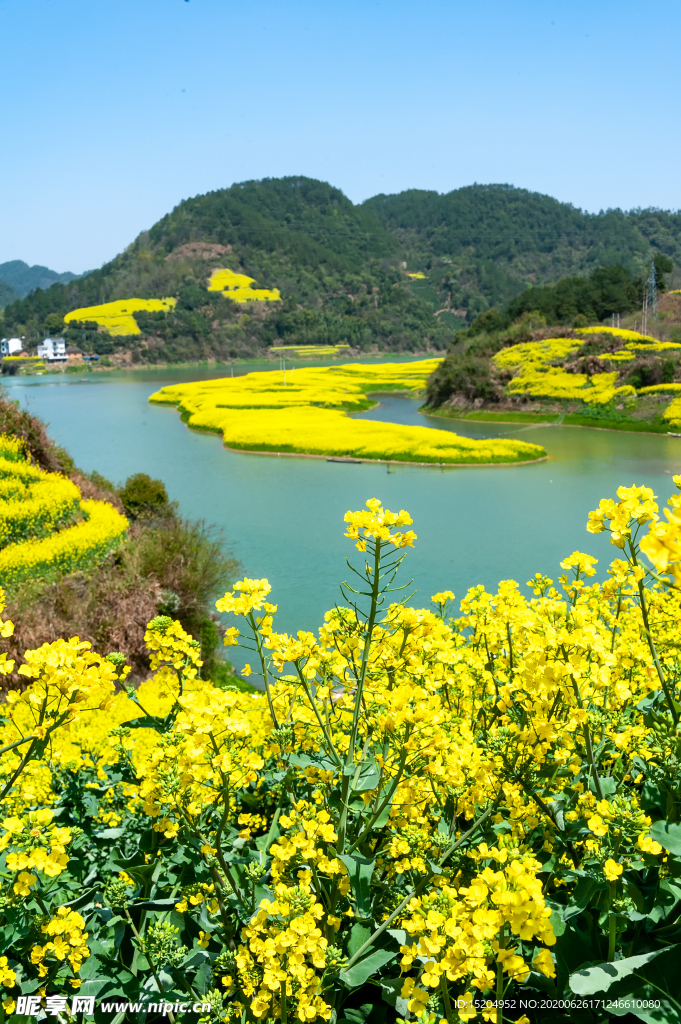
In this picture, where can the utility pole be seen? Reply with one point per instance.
(650, 299)
(652, 292)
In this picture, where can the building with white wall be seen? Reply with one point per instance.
(9, 346)
(53, 350)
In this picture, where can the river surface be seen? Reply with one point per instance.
(283, 517)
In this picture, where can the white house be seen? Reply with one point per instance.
(54, 350)
(8, 346)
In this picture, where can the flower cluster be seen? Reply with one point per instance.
(376, 523)
(67, 940)
(636, 504)
(497, 920)
(285, 958)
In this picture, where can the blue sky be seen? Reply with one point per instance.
(113, 111)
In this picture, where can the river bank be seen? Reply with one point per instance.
(566, 419)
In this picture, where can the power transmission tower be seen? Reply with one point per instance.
(652, 292)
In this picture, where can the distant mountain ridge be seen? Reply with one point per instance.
(343, 270)
(23, 279)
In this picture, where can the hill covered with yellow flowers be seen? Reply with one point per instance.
(600, 376)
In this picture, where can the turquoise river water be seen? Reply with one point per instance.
(283, 517)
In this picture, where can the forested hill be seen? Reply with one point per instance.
(21, 279)
(480, 245)
(399, 272)
(336, 267)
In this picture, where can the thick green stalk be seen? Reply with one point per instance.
(265, 673)
(284, 1001)
(612, 924)
(313, 704)
(17, 743)
(500, 976)
(419, 887)
(126, 912)
(375, 591)
(445, 999)
(651, 642)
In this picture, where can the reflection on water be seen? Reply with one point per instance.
(283, 517)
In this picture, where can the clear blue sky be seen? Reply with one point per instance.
(113, 111)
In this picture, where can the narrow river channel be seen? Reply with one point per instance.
(283, 517)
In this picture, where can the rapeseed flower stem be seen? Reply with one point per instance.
(649, 637)
(144, 948)
(418, 888)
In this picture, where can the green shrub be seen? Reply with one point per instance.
(144, 496)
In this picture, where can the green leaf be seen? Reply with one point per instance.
(600, 977)
(165, 904)
(359, 973)
(390, 989)
(383, 817)
(668, 835)
(193, 958)
(583, 896)
(360, 870)
(304, 760)
(359, 933)
(148, 722)
(368, 777)
(109, 833)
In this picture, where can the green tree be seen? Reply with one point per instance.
(54, 323)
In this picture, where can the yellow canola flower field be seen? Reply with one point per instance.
(660, 389)
(309, 350)
(672, 414)
(237, 287)
(45, 528)
(452, 783)
(117, 317)
(305, 411)
(617, 332)
(536, 378)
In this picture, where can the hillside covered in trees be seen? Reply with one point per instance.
(396, 273)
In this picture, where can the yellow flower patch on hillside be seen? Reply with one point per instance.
(535, 353)
(672, 414)
(117, 317)
(617, 332)
(536, 378)
(237, 287)
(45, 527)
(305, 411)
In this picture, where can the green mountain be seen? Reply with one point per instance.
(23, 279)
(401, 272)
(7, 294)
(481, 245)
(337, 269)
